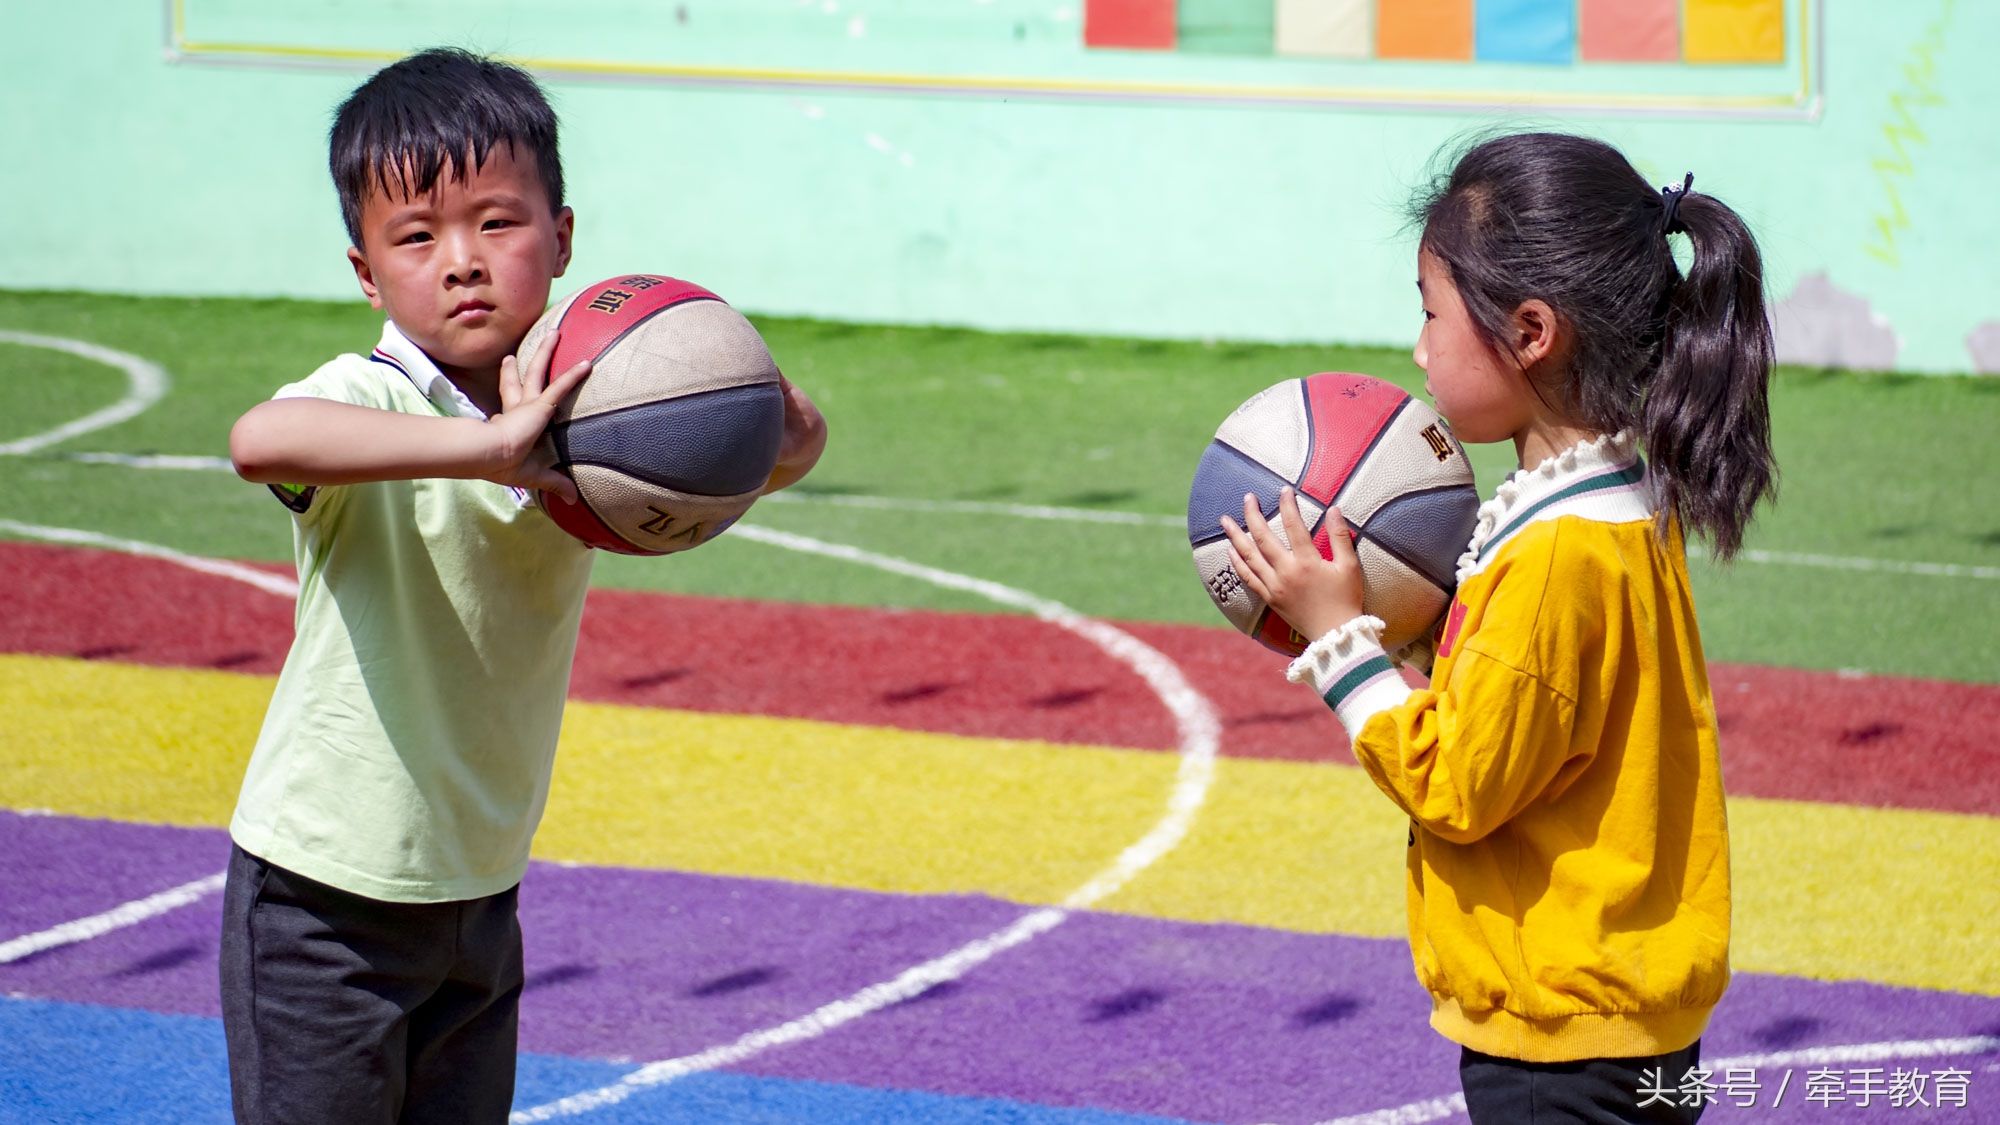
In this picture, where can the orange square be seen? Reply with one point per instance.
(1423, 29)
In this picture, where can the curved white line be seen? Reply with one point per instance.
(1109, 516)
(264, 580)
(146, 384)
(1200, 734)
(1438, 1109)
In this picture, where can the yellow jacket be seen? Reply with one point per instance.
(1569, 851)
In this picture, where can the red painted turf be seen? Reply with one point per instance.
(1872, 740)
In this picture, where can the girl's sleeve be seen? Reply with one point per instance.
(1460, 758)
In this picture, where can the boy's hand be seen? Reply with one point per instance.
(1314, 594)
(528, 399)
(804, 440)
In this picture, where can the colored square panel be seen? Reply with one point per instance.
(1341, 29)
(1141, 24)
(1631, 31)
(1527, 31)
(1227, 27)
(1423, 29)
(1734, 31)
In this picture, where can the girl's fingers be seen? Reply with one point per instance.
(1338, 538)
(1247, 555)
(1295, 526)
(1253, 519)
(1248, 574)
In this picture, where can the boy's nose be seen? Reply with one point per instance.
(462, 263)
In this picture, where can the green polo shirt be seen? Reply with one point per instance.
(407, 750)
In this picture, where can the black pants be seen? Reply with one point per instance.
(1608, 1091)
(341, 1008)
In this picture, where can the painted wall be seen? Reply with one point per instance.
(129, 170)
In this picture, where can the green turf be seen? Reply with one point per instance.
(1891, 468)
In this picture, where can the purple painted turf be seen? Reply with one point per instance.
(1212, 1022)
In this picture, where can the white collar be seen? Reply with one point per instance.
(1586, 472)
(395, 351)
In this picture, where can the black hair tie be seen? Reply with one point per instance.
(1670, 223)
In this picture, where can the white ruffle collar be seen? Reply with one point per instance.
(1525, 489)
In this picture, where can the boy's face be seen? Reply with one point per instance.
(465, 270)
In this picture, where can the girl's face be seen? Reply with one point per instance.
(1482, 395)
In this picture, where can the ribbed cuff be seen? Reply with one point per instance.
(1351, 672)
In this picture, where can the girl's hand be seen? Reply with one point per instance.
(1315, 595)
(528, 399)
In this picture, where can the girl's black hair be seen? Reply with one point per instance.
(437, 109)
(1683, 360)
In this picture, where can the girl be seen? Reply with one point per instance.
(1569, 857)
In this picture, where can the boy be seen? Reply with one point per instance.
(371, 956)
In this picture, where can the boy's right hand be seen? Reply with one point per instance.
(528, 399)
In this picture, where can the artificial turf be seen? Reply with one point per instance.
(1894, 468)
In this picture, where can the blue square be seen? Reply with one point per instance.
(1526, 31)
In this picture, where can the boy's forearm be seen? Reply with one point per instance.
(320, 442)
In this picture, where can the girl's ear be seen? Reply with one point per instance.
(1538, 333)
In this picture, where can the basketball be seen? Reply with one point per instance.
(1386, 460)
(678, 423)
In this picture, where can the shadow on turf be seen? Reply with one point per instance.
(735, 982)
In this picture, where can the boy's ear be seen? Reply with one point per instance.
(1538, 333)
(565, 236)
(364, 275)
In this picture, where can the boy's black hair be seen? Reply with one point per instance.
(439, 108)
(1683, 360)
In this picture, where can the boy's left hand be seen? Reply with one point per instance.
(1315, 595)
(804, 440)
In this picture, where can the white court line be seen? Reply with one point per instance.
(1439, 1109)
(270, 583)
(1106, 516)
(146, 384)
(1200, 733)
(1200, 736)
(117, 918)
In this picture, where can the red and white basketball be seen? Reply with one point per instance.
(678, 423)
(1386, 460)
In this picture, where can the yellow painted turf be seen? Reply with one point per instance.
(1828, 891)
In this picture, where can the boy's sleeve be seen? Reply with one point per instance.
(335, 383)
(1461, 758)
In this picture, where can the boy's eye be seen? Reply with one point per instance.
(1429, 315)
(497, 224)
(415, 236)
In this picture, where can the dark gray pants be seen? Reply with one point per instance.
(1607, 1091)
(341, 1008)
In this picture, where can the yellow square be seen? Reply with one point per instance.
(1734, 31)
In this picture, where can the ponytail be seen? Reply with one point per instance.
(1682, 360)
(1704, 420)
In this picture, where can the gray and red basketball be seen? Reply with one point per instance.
(678, 423)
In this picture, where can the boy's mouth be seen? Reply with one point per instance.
(470, 308)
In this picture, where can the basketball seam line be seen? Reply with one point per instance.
(626, 471)
(1334, 501)
(1450, 582)
(559, 435)
(1260, 466)
(634, 326)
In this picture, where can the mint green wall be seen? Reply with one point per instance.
(128, 172)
